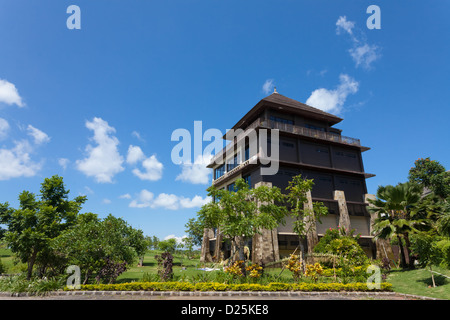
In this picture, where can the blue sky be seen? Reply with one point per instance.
(98, 105)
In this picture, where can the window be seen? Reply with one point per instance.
(248, 180)
(281, 120)
(232, 163)
(220, 171)
(247, 153)
(350, 155)
(231, 187)
(311, 126)
(288, 144)
(321, 150)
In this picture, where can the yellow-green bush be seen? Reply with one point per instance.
(215, 286)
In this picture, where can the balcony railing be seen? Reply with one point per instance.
(307, 132)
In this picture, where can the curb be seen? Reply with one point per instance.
(235, 294)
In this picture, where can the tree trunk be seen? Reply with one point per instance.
(432, 277)
(31, 262)
(408, 251)
(401, 253)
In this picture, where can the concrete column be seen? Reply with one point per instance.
(265, 245)
(205, 255)
(344, 218)
(310, 224)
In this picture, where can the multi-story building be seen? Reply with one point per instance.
(309, 145)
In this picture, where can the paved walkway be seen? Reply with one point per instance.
(212, 295)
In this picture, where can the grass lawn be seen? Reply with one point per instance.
(419, 282)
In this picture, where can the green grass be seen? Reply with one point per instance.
(418, 282)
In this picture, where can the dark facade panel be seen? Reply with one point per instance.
(346, 158)
(315, 154)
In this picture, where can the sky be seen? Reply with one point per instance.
(98, 105)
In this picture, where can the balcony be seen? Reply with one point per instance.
(284, 127)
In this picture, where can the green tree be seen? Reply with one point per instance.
(168, 245)
(432, 175)
(95, 245)
(31, 227)
(305, 219)
(244, 212)
(394, 207)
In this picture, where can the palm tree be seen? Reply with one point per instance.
(395, 220)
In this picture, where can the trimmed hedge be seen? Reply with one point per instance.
(215, 286)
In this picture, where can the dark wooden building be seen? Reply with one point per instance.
(309, 145)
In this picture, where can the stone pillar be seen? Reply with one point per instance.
(310, 224)
(344, 218)
(205, 255)
(218, 254)
(265, 245)
(383, 247)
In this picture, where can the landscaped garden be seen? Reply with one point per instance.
(47, 234)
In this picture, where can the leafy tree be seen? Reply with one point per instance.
(305, 219)
(31, 227)
(432, 175)
(194, 229)
(244, 212)
(394, 207)
(169, 245)
(102, 247)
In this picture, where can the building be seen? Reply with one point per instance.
(309, 145)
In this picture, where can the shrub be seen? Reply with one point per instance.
(215, 286)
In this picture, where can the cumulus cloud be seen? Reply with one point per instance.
(125, 196)
(9, 94)
(146, 199)
(178, 239)
(38, 135)
(197, 172)
(333, 100)
(16, 162)
(268, 86)
(103, 161)
(153, 169)
(362, 53)
(135, 154)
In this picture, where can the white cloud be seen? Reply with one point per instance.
(143, 200)
(197, 172)
(365, 55)
(16, 162)
(106, 201)
(362, 53)
(167, 201)
(153, 169)
(268, 86)
(4, 128)
(147, 199)
(63, 162)
(333, 100)
(104, 160)
(9, 94)
(125, 196)
(135, 154)
(38, 135)
(178, 239)
(343, 24)
(196, 201)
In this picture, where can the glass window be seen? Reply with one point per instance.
(282, 120)
(220, 171)
(248, 180)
